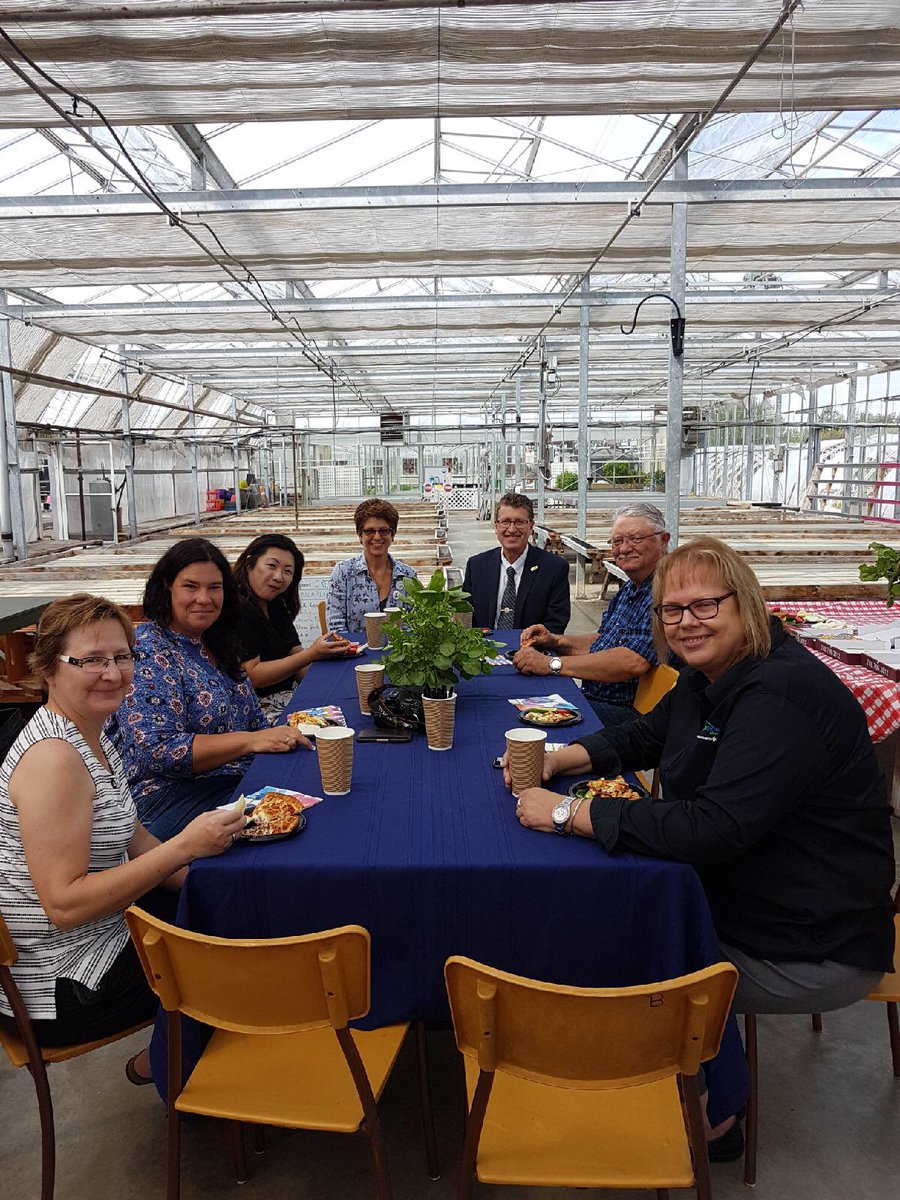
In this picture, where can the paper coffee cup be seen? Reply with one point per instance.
(525, 757)
(375, 629)
(368, 677)
(334, 749)
(440, 719)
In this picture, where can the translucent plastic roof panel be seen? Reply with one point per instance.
(388, 60)
(277, 235)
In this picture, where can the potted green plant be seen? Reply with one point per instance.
(428, 648)
(886, 566)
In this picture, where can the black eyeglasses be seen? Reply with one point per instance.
(703, 610)
(374, 533)
(96, 664)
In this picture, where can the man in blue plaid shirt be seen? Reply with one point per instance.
(610, 661)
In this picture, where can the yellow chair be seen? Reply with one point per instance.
(579, 1087)
(323, 623)
(652, 686)
(22, 1050)
(888, 992)
(282, 1053)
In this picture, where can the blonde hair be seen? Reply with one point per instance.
(707, 555)
(64, 617)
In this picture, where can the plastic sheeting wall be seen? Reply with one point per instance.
(162, 482)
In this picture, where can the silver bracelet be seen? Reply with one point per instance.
(575, 807)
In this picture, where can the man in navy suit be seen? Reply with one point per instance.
(533, 586)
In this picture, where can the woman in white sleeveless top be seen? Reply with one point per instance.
(73, 855)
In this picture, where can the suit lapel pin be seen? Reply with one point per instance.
(535, 567)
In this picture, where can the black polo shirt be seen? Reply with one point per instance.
(772, 791)
(267, 637)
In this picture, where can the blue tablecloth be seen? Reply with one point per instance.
(427, 854)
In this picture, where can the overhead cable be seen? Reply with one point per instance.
(224, 259)
(634, 208)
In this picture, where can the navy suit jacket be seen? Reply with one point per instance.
(542, 598)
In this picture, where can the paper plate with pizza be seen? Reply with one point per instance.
(274, 813)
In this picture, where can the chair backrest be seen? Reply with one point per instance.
(8, 952)
(590, 1038)
(323, 622)
(11, 725)
(277, 985)
(653, 685)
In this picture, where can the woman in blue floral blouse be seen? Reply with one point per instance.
(371, 581)
(191, 720)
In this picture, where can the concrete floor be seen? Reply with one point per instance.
(830, 1113)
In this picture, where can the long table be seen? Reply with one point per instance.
(426, 853)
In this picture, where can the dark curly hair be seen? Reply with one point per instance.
(249, 557)
(376, 508)
(221, 637)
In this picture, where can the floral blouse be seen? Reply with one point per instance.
(177, 692)
(352, 592)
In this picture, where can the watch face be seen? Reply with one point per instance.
(560, 814)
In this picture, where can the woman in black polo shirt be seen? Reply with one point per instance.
(268, 577)
(771, 790)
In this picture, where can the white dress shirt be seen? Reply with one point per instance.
(519, 567)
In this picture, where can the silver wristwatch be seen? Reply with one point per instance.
(560, 814)
(555, 665)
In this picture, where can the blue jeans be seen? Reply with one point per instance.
(614, 714)
(166, 811)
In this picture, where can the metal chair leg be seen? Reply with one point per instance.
(173, 1155)
(431, 1150)
(894, 1028)
(238, 1151)
(48, 1130)
(751, 1127)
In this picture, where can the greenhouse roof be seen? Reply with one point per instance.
(384, 205)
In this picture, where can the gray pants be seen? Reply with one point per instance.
(797, 987)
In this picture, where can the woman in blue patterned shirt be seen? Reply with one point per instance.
(191, 720)
(371, 581)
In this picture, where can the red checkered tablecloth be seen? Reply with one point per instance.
(879, 697)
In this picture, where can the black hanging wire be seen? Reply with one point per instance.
(239, 272)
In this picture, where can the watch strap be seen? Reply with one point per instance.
(560, 826)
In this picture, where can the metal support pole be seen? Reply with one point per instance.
(501, 490)
(195, 474)
(520, 465)
(296, 495)
(584, 465)
(748, 450)
(541, 446)
(234, 458)
(674, 417)
(849, 443)
(128, 445)
(12, 511)
(305, 471)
